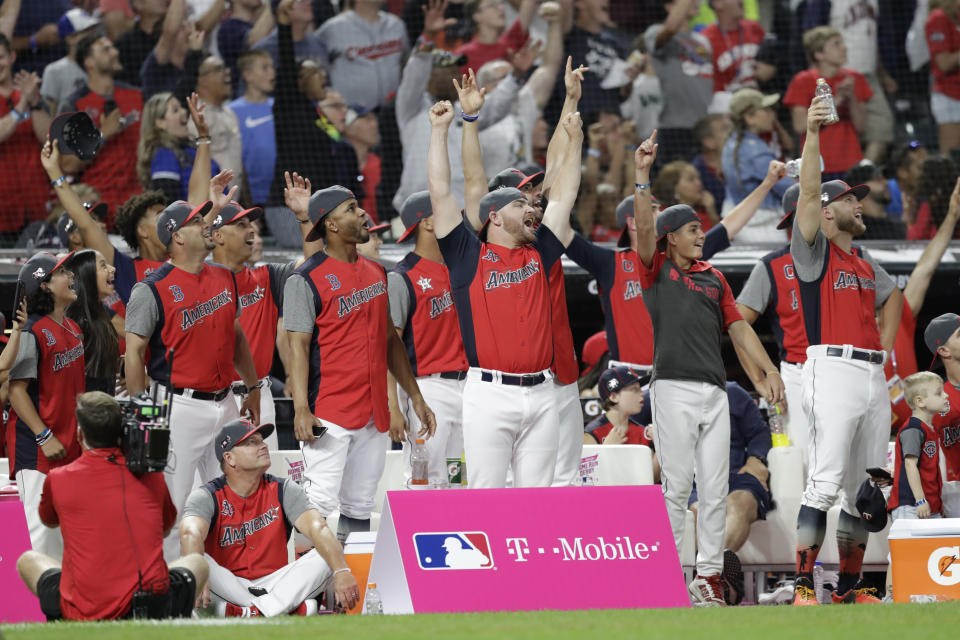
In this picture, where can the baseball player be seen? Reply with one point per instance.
(187, 312)
(41, 431)
(342, 342)
(241, 522)
(502, 295)
(421, 306)
(565, 370)
(844, 390)
(942, 337)
(690, 304)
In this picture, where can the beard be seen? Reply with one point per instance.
(518, 231)
(852, 226)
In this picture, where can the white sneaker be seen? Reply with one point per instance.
(707, 591)
(782, 594)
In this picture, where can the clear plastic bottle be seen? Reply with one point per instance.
(374, 605)
(826, 95)
(419, 463)
(463, 469)
(793, 169)
(817, 581)
(777, 432)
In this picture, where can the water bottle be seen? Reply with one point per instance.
(826, 96)
(419, 463)
(374, 605)
(817, 582)
(463, 469)
(793, 169)
(777, 433)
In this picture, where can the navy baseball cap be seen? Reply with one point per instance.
(616, 378)
(235, 432)
(415, 208)
(322, 202)
(233, 212)
(939, 331)
(175, 216)
(66, 226)
(39, 268)
(77, 135)
(872, 506)
(514, 178)
(496, 200)
(835, 189)
(672, 218)
(789, 204)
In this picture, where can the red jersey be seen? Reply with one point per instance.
(113, 172)
(600, 233)
(928, 464)
(259, 291)
(502, 297)
(943, 36)
(248, 535)
(348, 359)
(129, 272)
(564, 355)
(60, 377)
(785, 310)
(197, 314)
(112, 524)
(901, 363)
(839, 307)
(432, 332)
(948, 430)
(478, 54)
(24, 192)
(839, 143)
(734, 54)
(636, 433)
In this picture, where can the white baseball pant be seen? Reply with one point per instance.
(268, 411)
(691, 431)
(507, 426)
(798, 431)
(570, 443)
(46, 540)
(286, 587)
(343, 467)
(194, 425)
(445, 398)
(848, 410)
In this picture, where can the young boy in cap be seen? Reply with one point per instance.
(942, 337)
(621, 398)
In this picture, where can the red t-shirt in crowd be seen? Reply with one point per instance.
(839, 143)
(112, 524)
(924, 227)
(943, 36)
(478, 54)
(734, 54)
(25, 188)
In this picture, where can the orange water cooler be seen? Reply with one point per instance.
(925, 557)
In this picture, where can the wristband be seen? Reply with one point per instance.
(58, 182)
(641, 187)
(203, 140)
(42, 437)
(303, 220)
(920, 502)
(595, 153)
(347, 569)
(467, 118)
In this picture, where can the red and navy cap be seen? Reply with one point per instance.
(835, 189)
(39, 268)
(233, 212)
(593, 350)
(616, 378)
(496, 200)
(235, 432)
(415, 208)
(175, 216)
(789, 203)
(939, 331)
(514, 178)
(322, 203)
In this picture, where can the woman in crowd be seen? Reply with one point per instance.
(943, 40)
(94, 283)
(937, 177)
(679, 183)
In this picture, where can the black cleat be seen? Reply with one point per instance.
(732, 575)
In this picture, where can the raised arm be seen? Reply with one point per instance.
(571, 80)
(564, 192)
(199, 186)
(542, 80)
(643, 216)
(296, 196)
(528, 8)
(740, 215)
(262, 27)
(916, 289)
(675, 21)
(211, 18)
(446, 213)
(474, 178)
(808, 203)
(9, 12)
(172, 22)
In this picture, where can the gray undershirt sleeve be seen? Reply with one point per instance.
(399, 297)
(756, 291)
(295, 501)
(299, 312)
(200, 504)
(808, 259)
(142, 312)
(911, 442)
(25, 366)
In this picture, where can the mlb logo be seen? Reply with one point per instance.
(453, 550)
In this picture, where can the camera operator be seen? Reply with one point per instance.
(113, 524)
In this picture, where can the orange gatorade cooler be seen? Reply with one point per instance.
(358, 552)
(925, 560)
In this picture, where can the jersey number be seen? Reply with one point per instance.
(177, 293)
(334, 283)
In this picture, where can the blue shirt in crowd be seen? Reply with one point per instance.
(166, 166)
(259, 144)
(750, 169)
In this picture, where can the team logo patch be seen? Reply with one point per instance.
(49, 336)
(930, 448)
(39, 274)
(226, 442)
(491, 256)
(424, 283)
(674, 275)
(171, 225)
(219, 221)
(824, 197)
(613, 384)
(334, 282)
(226, 509)
(176, 292)
(628, 266)
(453, 550)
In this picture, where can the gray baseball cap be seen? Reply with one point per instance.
(789, 204)
(235, 432)
(496, 200)
(415, 208)
(39, 268)
(514, 178)
(175, 216)
(322, 202)
(939, 331)
(672, 218)
(234, 212)
(66, 226)
(624, 211)
(835, 189)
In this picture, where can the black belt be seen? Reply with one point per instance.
(216, 396)
(453, 375)
(526, 380)
(873, 357)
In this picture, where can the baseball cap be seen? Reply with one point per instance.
(514, 178)
(357, 111)
(746, 99)
(443, 58)
(175, 216)
(66, 226)
(233, 212)
(872, 506)
(616, 378)
(496, 200)
(789, 204)
(322, 202)
(39, 268)
(672, 218)
(624, 211)
(77, 134)
(235, 432)
(593, 350)
(939, 331)
(835, 189)
(415, 208)
(377, 228)
(74, 21)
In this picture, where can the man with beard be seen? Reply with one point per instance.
(848, 406)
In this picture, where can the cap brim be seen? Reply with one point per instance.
(770, 100)
(99, 210)
(624, 239)
(201, 210)
(377, 228)
(406, 233)
(314, 234)
(536, 178)
(264, 430)
(860, 192)
(253, 214)
(61, 262)
(786, 221)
